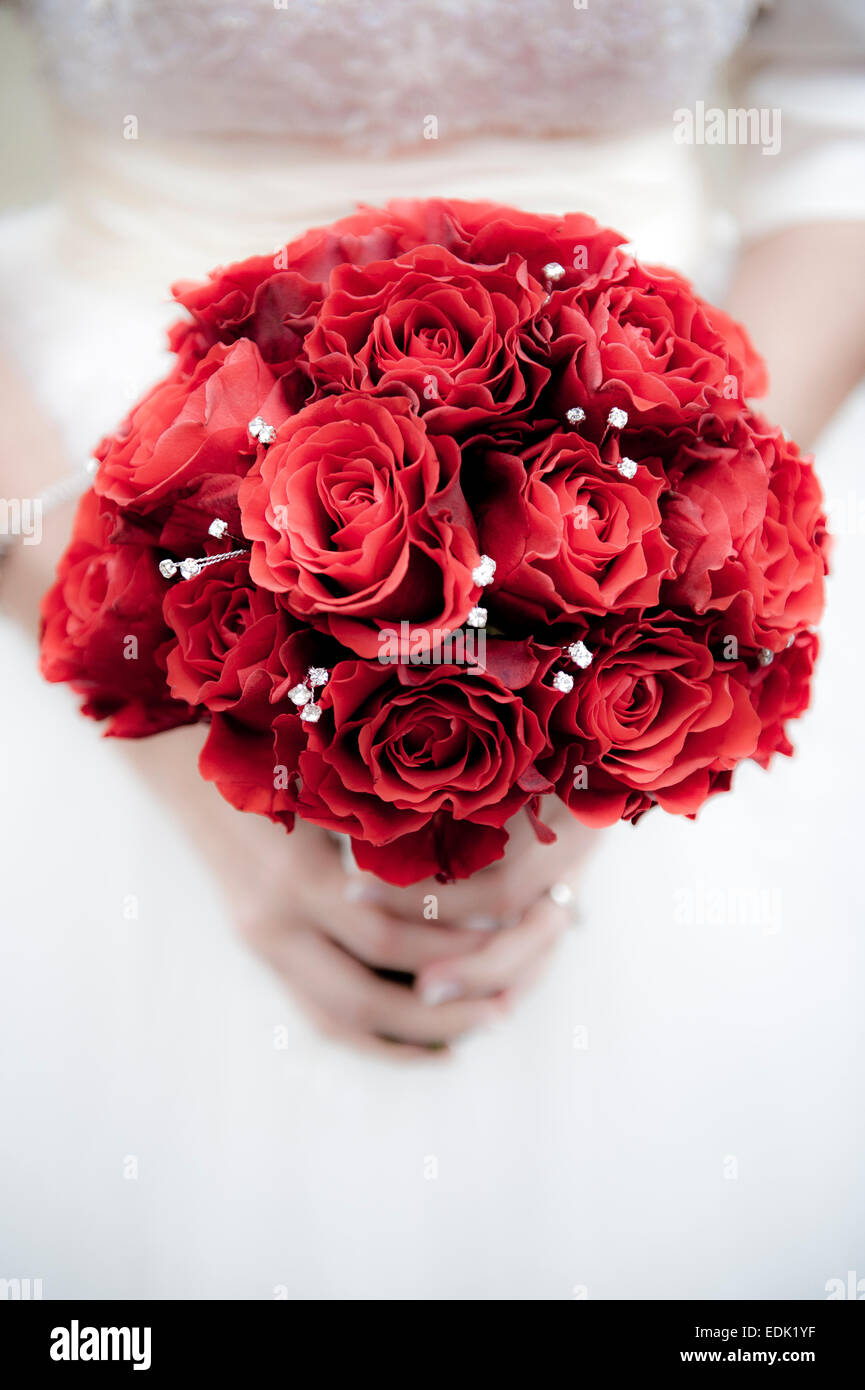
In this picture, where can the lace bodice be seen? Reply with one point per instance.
(371, 72)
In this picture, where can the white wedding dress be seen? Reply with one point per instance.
(676, 1110)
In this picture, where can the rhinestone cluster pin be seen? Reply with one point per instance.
(580, 655)
(190, 567)
(261, 430)
(482, 574)
(616, 420)
(303, 694)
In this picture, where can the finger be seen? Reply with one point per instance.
(375, 936)
(388, 1049)
(357, 1000)
(499, 965)
(473, 905)
(481, 903)
(295, 958)
(500, 894)
(386, 942)
(530, 976)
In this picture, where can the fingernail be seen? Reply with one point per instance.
(440, 991)
(477, 922)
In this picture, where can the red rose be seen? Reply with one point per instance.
(177, 461)
(357, 515)
(652, 719)
(650, 345)
(273, 300)
(238, 651)
(779, 692)
(102, 628)
(401, 752)
(250, 699)
(451, 334)
(569, 533)
(488, 233)
(792, 549)
(713, 514)
(241, 762)
(444, 848)
(236, 645)
(747, 522)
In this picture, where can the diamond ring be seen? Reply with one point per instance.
(562, 894)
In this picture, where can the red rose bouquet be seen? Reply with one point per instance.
(441, 510)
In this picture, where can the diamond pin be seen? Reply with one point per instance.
(616, 420)
(484, 571)
(580, 655)
(217, 528)
(261, 430)
(553, 271)
(477, 617)
(303, 694)
(627, 467)
(576, 415)
(765, 656)
(562, 681)
(190, 567)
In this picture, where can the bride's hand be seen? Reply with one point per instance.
(308, 919)
(455, 955)
(508, 904)
(466, 950)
